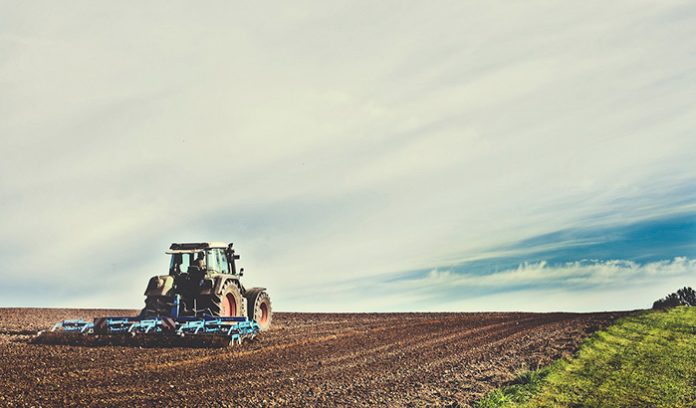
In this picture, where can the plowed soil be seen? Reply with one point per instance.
(410, 359)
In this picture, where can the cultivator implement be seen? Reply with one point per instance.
(159, 331)
(205, 331)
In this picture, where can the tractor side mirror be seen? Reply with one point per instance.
(241, 272)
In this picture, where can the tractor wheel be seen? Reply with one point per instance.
(259, 308)
(157, 306)
(227, 303)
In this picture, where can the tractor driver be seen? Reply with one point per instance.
(200, 261)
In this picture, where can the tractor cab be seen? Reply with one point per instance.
(202, 258)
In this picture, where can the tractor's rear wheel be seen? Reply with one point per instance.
(157, 306)
(259, 308)
(227, 303)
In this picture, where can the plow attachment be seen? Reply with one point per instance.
(205, 331)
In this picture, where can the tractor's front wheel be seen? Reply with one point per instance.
(259, 308)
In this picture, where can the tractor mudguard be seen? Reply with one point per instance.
(255, 290)
(159, 285)
(251, 294)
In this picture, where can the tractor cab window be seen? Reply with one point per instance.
(212, 261)
(222, 260)
(179, 263)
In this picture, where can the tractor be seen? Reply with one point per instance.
(203, 280)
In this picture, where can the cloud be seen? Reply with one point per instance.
(329, 141)
(646, 256)
(571, 274)
(587, 285)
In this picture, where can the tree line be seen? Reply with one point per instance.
(685, 296)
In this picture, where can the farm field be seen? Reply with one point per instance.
(448, 359)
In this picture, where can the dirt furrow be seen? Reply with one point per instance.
(307, 359)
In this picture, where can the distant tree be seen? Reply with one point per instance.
(685, 296)
(688, 295)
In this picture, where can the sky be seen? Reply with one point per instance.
(362, 156)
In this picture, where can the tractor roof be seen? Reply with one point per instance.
(195, 246)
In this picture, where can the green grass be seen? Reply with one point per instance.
(644, 360)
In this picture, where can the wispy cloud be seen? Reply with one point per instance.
(437, 289)
(332, 140)
(647, 256)
(579, 274)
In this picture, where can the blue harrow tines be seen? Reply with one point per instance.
(235, 329)
(134, 325)
(205, 331)
(74, 326)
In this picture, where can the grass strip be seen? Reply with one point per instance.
(643, 360)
